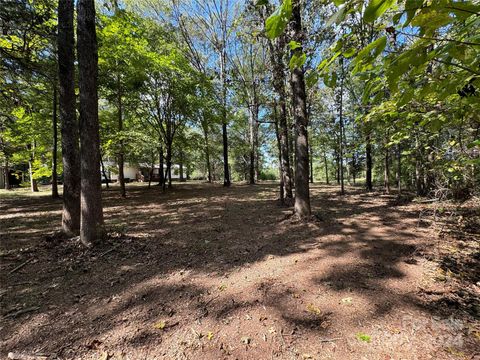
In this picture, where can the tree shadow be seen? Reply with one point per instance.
(174, 250)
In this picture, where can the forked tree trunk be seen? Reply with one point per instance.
(302, 190)
(91, 221)
(55, 143)
(68, 119)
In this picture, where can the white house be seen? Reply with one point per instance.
(139, 172)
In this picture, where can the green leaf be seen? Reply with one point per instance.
(294, 45)
(297, 60)
(276, 23)
(261, 2)
(349, 53)
(376, 8)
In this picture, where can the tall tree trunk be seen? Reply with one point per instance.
(107, 180)
(311, 163)
(276, 57)
(252, 145)
(368, 155)
(223, 70)
(326, 167)
(68, 119)
(279, 147)
(55, 143)
(181, 166)
(399, 169)
(91, 220)
(302, 190)
(33, 182)
(161, 176)
(121, 155)
(207, 152)
(6, 174)
(341, 144)
(354, 164)
(386, 173)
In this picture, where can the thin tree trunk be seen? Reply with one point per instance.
(181, 166)
(311, 163)
(326, 167)
(121, 155)
(342, 181)
(252, 145)
(6, 174)
(207, 153)
(161, 176)
(386, 173)
(33, 182)
(368, 155)
(226, 169)
(91, 221)
(68, 119)
(55, 143)
(103, 171)
(279, 147)
(302, 190)
(399, 169)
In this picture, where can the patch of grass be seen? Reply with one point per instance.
(363, 337)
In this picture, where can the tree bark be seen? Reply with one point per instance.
(55, 143)
(68, 119)
(279, 147)
(252, 145)
(342, 180)
(181, 166)
(311, 163)
(276, 58)
(226, 169)
(91, 220)
(302, 190)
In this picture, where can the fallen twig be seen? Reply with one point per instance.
(330, 340)
(108, 251)
(22, 311)
(18, 356)
(21, 266)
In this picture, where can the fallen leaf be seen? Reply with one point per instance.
(210, 335)
(347, 301)
(313, 309)
(246, 340)
(160, 325)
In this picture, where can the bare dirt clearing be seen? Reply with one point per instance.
(204, 272)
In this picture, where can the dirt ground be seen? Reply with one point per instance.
(204, 272)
